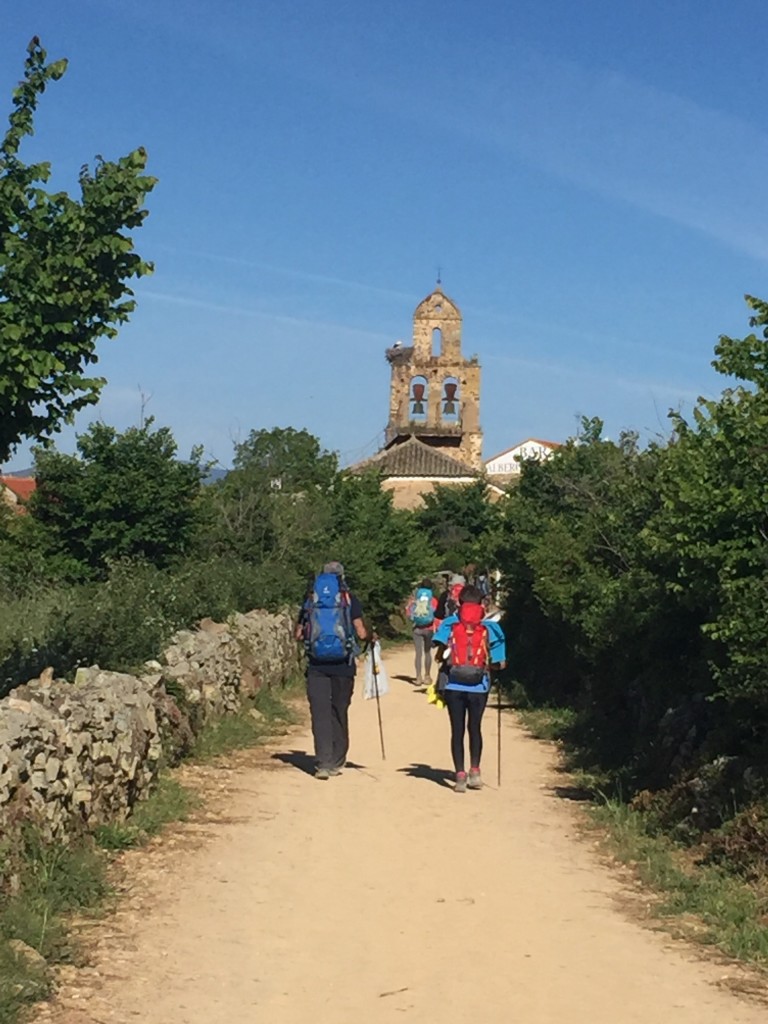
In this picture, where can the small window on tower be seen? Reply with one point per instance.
(437, 342)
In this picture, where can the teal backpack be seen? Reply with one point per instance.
(421, 612)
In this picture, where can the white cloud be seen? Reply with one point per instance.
(294, 273)
(242, 311)
(609, 381)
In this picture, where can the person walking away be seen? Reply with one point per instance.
(448, 602)
(468, 645)
(331, 624)
(421, 614)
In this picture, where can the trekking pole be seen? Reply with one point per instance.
(498, 731)
(378, 702)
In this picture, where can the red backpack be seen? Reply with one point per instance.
(468, 646)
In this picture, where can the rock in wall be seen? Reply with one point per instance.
(75, 755)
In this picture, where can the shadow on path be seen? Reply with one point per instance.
(298, 758)
(440, 776)
(306, 762)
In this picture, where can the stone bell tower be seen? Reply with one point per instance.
(434, 390)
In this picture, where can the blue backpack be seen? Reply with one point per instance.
(329, 620)
(421, 612)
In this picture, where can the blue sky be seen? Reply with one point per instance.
(592, 178)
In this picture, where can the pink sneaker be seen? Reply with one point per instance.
(475, 780)
(461, 783)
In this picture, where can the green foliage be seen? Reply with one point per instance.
(21, 983)
(712, 527)
(169, 801)
(580, 595)
(460, 524)
(51, 880)
(64, 264)
(122, 496)
(288, 460)
(121, 621)
(274, 509)
(547, 723)
(727, 913)
(381, 547)
(267, 715)
(27, 564)
(637, 582)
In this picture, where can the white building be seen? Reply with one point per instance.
(507, 463)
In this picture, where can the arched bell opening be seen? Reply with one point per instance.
(418, 397)
(450, 400)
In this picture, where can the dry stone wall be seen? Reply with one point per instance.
(78, 754)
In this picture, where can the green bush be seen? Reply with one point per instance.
(124, 620)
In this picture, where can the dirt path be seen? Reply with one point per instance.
(381, 895)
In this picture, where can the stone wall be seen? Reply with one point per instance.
(74, 755)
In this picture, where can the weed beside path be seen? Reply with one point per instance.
(706, 904)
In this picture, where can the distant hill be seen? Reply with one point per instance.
(214, 475)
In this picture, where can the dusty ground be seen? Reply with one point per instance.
(382, 895)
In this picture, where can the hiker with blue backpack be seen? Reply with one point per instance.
(468, 645)
(420, 612)
(332, 628)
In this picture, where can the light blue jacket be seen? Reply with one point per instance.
(497, 650)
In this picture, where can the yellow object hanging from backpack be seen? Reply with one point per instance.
(434, 696)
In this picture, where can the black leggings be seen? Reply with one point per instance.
(465, 711)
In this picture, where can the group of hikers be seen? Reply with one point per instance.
(457, 630)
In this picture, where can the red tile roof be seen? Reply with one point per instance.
(22, 486)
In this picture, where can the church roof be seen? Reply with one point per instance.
(414, 458)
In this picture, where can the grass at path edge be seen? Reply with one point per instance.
(705, 904)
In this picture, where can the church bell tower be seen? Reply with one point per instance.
(434, 390)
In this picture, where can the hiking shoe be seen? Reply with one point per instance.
(322, 773)
(336, 770)
(461, 783)
(475, 780)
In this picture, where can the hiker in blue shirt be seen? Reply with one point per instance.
(468, 645)
(331, 624)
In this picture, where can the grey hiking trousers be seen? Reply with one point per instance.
(329, 699)
(422, 638)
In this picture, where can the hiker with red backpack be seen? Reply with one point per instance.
(331, 624)
(468, 645)
(448, 602)
(420, 612)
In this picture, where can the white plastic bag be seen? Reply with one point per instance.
(382, 681)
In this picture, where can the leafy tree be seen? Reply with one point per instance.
(382, 548)
(285, 508)
(122, 496)
(459, 523)
(713, 524)
(287, 460)
(64, 264)
(273, 509)
(591, 620)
